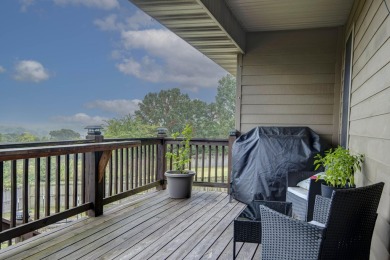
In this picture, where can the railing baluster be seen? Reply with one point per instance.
(177, 149)
(209, 171)
(196, 161)
(136, 167)
(75, 181)
(132, 169)
(127, 168)
(105, 182)
(25, 191)
(216, 163)
(66, 181)
(37, 188)
(203, 154)
(116, 171)
(13, 196)
(110, 180)
(83, 179)
(140, 167)
(189, 163)
(223, 164)
(121, 170)
(58, 184)
(47, 192)
(153, 164)
(171, 160)
(149, 155)
(144, 162)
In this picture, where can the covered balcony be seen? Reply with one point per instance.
(323, 64)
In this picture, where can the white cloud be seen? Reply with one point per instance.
(139, 20)
(168, 59)
(25, 4)
(109, 23)
(113, 22)
(30, 70)
(154, 54)
(81, 119)
(119, 106)
(2, 70)
(101, 4)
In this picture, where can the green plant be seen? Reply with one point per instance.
(183, 155)
(340, 166)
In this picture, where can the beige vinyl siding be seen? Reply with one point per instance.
(369, 126)
(287, 78)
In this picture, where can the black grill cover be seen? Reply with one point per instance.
(263, 157)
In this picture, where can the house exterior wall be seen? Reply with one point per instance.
(290, 78)
(369, 126)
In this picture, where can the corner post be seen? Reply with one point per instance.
(161, 161)
(233, 134)
(95, 163)
(93, 184)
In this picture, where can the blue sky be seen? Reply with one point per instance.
(70, 63)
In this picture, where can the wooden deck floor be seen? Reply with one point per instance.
(151, 226)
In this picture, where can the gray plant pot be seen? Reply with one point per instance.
(179, 184)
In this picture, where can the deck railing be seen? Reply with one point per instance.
(209, 159)
(59, 180)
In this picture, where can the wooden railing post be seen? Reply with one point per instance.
(95, 164)
(232, 137)
(161, 161)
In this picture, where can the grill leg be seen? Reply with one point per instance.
(234, 249)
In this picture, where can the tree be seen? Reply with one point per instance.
(27, 137)
(64, 134)
(226, 104)
(173, 110)
(129, 127)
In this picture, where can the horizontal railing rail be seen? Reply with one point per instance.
(46, 143)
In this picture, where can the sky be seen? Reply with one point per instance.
(72, 63)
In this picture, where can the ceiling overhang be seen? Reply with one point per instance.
(217, 28)
(208, 25)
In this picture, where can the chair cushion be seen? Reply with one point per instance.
(306, 182)
(298, 191)
(316, 223)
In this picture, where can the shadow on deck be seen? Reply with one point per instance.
(149, 226)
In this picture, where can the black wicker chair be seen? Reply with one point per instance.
(247, 226)
(348, 223)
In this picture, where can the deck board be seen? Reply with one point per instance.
(51, 239)
(149, 226)
(138, 242)
(155, 241)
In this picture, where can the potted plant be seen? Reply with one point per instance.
(340, 167)
(180, 179)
